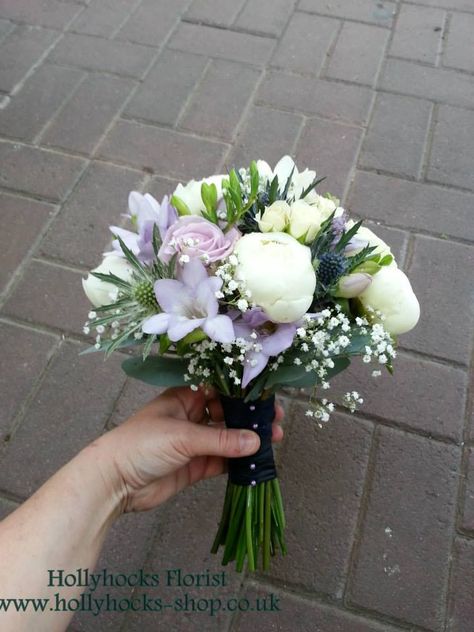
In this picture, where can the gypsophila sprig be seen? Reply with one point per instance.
(249, 282)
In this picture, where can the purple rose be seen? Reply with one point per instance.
(196, 237)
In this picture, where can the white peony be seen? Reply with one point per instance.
(364, 237)
(279, 274)
(100, 292)
(274, 218)
(190, 193)
(391, 294)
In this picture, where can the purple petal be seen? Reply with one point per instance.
(280, 340)
(180, 326)
(157, 324)
(129, 238)
(206, 299)
(169, 294)
(242, 330)
(260, 360)
(220, 329)
(255, 317)
(193, 273)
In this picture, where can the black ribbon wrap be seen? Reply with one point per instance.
(257, 416)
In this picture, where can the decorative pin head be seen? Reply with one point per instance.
(252, 407)
(253, 483)
(254, 426)
(252, 466)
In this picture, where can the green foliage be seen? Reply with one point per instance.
(157, 370)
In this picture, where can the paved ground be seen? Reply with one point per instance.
(104, 96)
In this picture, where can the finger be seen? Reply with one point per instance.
(208, 440)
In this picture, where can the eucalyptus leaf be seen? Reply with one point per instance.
(157, 370)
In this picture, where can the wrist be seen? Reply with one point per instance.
(99, 468)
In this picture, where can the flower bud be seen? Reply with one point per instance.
(352, 285)
(100, 292)
(391, 294)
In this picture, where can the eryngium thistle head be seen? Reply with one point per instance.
(331, 266)
(144, 294)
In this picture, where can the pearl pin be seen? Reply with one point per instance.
(253, 483)
(252, 466)
(255, 426)
(252, 407)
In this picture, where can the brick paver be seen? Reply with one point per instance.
(98, 97)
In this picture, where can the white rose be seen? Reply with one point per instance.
(275, 217)
(392, 295)
(100, 292)
(190, 193)
(305, 220)
(279, 274)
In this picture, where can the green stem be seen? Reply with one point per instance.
(267, 526)
(248, 527)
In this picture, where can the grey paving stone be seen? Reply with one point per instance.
(265, 16)
(51, 296)
(41, 96)
(395, 140)
(358, 53)
(153, 21)
(38, 171)
(462, 587)
(452, 153)
(80, 233)
(216, 12)
(95, 53)
(164, 93)
(437, 84)
(19, 51)
(458, 51)
(418, 33)
(305, 43)
(438, 411)
(322, 470)
(330, 148)
(68, 412)
(25, 354)
(6, 27)
(461, 5)
(257, 138)
(406, 531)
(216, 107)
(102, 17)
(83, 120)
(297, 613)
(467, 521)
(327, 99)
(380, 13)
(217, 42)
(159, 187)
(25, 220)
(164, 151)
(134, 396)
(124, 553)
(183, 542)
(52, 13)
(410, 205)
(6, 508)
(446, 298)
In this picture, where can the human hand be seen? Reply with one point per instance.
(168, 445)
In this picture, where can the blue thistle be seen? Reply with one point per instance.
(332, 265)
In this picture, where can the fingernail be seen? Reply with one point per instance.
(247, 441)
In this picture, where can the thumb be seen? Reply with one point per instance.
(206, 440)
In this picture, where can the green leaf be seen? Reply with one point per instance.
(288, 183)
(297, 376)
(131, 258)
(192, 338)
(272, 195)
(209, 197)
(157, 371)
(312, 186)
(347, 236)
(147, 346)
(165, 343)
(254, 179)
(180, 206)
(111, 278)
(367, 267)
(386, 261)
(156, 239)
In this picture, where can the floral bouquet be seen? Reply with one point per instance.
(249, 282)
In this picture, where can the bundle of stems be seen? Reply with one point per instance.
(252, 524)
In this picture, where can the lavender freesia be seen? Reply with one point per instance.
(189, 303)
(145, 213)
(266, 340)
